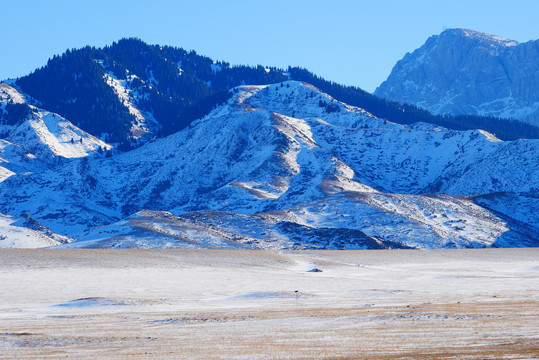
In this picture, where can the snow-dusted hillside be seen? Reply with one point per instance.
(144, 123)
(468, 72)
(286, 166)
(14, 159)
(27, 233)
(420, 158)
(47, 135)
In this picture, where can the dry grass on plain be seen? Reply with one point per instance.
(446, 304)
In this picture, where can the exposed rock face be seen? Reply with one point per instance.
(469, 72)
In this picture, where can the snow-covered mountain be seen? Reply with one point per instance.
(36, 143)
(287, 166)
(44, 134)
(130, 92)
(468, 72)
(25, 232)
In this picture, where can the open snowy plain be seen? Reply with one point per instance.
(202, 304)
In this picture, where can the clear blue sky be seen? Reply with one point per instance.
(353, 42)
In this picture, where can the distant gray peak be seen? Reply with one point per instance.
(480, 36)
(463, 71)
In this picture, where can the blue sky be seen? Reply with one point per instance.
(351, 42)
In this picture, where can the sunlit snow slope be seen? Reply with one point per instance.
(45, 134)
(285, 166)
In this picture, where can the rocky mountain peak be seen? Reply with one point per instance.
(464, 71)
(485, 38)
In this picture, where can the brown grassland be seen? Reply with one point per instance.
(172, 304)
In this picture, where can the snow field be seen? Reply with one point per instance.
(248, 304)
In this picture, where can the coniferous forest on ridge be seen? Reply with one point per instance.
(178, 86)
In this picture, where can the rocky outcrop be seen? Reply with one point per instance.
(469, 72)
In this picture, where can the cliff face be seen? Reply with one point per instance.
(468, 72)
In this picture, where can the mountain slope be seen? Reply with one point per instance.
(287, 166)
(467, 72)
(131, 89)
(46, 135)
(14, 159)
(27, 233)
(129, 92)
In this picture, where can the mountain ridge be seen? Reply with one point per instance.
(105, 92)
(192, 159)
(287, 166)
(463, 71)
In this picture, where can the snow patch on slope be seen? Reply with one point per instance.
(145, 123)
(13, 236)
(48, 135)
(14, 159)
(8, 92)
(494, 39)
(5, 173)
